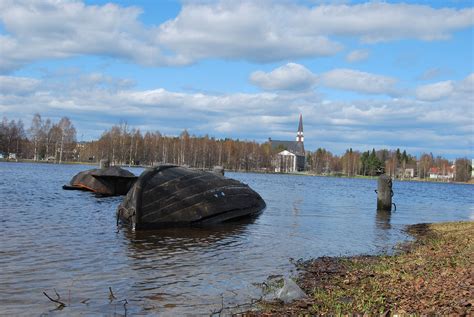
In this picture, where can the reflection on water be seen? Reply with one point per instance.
(68, 241)
(172, 240)
(382, 219)
(383, 234)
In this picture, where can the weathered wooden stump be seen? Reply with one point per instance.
(384, 193)
(104, 163)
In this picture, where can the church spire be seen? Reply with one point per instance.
(299, 135)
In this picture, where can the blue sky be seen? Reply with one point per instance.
(363, 74)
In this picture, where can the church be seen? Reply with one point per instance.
(290, 155)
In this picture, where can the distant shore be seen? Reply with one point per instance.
(427, 180)
(431, 275)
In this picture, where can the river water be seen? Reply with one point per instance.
(68, 241)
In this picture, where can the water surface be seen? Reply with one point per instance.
(68, 241)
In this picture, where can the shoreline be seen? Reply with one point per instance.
(431, 275)
(471, 182)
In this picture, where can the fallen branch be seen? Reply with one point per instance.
(125, 302)
(223, 308)
(85, 301)
(57, 301)
(57, 295)
(219, 312)
(111, 296)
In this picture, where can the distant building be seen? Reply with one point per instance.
(446, 173)
(405, 173)
(472, 168)
(290, 155)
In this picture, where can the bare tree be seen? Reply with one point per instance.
(463, 170)
(68, 136)
(35, 132)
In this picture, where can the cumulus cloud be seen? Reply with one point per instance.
(362, 82)
(17, 85)
(93, 105)
(357, 56)
(243, 30)
(294, 77)
(466, 85)
(287, 77)
(48, 29)
(436, 91)
(262, 31)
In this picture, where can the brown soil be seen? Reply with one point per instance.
(433, 275)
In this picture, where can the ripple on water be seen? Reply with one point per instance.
(68, 241)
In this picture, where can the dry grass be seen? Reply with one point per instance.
(434, 275)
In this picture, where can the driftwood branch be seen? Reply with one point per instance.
(85, 301)
(223, 308)
(219, 311)
(57, 295)
(111, 295)
(57, 301)
(125, 302)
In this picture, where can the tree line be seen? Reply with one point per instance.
(123, 145)
(45, 140)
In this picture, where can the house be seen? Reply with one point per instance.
(405, 173)
(446, 173)
(290, 156)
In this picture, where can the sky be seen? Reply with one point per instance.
(378, 74)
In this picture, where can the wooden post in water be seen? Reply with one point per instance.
(384, 193)
(104, 163)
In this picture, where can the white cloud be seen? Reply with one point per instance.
(256, 31)
(357, 56)
(379, 21)
(17, 85)
(57, 29)
(269, 31)
(294, 77)
(466, 85)
(287, 77)
(364, 123)
(362, 82)
(436, 91)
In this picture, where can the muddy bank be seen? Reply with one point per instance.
(432, 275)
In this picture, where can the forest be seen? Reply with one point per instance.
(45, 140)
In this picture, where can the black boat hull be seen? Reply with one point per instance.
(172, 196)
(110, 181)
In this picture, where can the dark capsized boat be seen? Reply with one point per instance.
(108, 181)
(172, 196)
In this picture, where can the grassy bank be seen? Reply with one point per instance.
(432, 275)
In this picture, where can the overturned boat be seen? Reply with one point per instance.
(172, 196)
(107, 181)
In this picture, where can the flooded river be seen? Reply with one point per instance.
(68, 241)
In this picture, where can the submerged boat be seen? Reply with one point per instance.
(172, 196)
(107, 181)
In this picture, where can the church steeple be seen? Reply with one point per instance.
(299, 135)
